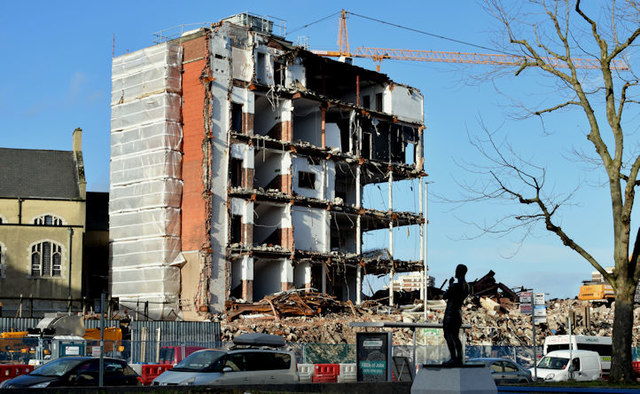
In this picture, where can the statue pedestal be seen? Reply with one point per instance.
(437, 378)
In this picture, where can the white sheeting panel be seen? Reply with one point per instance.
(146, 185)
(148, 223)
(155, 136)
(152, 280)
(148, 71)
(146, 195)
(146, 166)
(150, 109)
(146, 252)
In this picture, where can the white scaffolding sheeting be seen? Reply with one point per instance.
(149, 71)
(143, 252)
(146, 184)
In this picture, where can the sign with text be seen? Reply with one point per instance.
(373, 356)
(539, 308)
(525, 297)
(525, 302)
(539, 311)
(533, 304)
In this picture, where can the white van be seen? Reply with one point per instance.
(602, 345)
(555, 366)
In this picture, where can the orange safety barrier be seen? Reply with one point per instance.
(326, 373)
(152, 371)
(10, 371)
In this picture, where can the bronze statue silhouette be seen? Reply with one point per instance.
(455, 296)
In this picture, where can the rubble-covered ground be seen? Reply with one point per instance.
(491, 323)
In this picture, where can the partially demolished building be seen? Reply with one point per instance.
(238, 162)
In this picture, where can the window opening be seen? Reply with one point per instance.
(366, 146)
(366, 101)
(379, 102)
(278, 74)
(236, 229)
(576, 364)
(306, 180)
(236, 117)
(236, 362)
(46, 259)
(236, 172)
(261, 67)
(48, 220)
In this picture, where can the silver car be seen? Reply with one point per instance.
(504, 370)
(249, 363)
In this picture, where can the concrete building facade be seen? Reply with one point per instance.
(238, 162)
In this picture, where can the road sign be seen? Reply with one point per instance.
(539, 310)
(525, 297)
(538, 320)
(525, 309)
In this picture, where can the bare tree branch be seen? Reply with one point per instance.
(557, 107)
(555, 36)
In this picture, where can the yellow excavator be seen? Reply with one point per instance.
(596, 292)
(599, 291)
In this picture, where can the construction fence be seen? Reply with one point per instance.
(171, 341)
(171, 352)
(142, 340)
(424, 354)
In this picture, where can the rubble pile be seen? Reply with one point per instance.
(488, 287)
(492, 323)
(289, 303)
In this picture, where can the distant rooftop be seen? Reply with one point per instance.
(261, 23)
(33, 173)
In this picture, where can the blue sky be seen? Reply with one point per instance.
(55, 76)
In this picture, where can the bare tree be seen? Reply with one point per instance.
(551, 41)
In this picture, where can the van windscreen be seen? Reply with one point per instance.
(553, 362)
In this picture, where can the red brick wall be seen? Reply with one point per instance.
(287, 238)
(194, 213)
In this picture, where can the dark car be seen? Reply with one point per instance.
(76, 371)
(504, 370)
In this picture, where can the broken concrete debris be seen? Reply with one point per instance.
(487, 286)
(288, 303)
(493, 323)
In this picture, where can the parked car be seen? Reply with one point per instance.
(76, 371)
(555, 366)
(504, 370)
(248, 362)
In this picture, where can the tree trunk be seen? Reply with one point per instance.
(621, 359)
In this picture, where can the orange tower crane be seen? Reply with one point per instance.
(379, 54)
